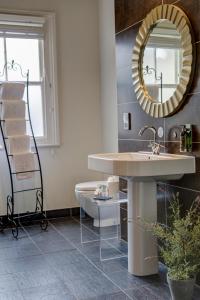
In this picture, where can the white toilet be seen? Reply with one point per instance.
(108, 215)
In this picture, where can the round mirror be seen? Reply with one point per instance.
(162, 60)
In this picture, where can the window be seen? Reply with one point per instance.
(163, 56)
(30, 42)
(167, 61)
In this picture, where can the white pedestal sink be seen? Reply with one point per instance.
(142, 169)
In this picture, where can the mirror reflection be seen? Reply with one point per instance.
(162, 61)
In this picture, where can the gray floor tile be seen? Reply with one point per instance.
(7, 240)
(26, 264)
(112, 266)
(90, 287)
(100, 250)
(35, 278)
(18, 250)
(82, 278)
(63, 257)
(10, 295)
(92, 252)
(6, 267)
(124, 280)
(57, 291)
(37, 234)
(142, 293)
(72, 232)
(86, 245)
(54, 246)
(8, 283)
(160, 290)
(117, 296)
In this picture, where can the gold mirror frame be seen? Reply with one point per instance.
(179, 19)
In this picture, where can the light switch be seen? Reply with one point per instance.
(127, 121)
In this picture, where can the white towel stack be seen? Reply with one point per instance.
(19, 145)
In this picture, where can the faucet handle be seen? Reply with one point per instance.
(161, 146)
(155, 147)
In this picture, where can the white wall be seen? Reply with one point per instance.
(79, 100)
(108, 75)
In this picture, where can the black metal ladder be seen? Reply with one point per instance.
(13, 218)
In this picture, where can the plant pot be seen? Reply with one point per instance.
(181, 289)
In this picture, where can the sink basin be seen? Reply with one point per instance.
(142, 169)
(141, 164)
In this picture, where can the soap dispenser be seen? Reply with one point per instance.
(183, 139)
(188, 128)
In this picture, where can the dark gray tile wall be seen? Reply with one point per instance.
(129, 15)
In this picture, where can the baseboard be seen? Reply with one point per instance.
(61, 213)
(52, 214)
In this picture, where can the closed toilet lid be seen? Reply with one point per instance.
(89, 186)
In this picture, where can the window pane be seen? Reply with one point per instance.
(26, 53)
(2, 61)
(149, 60)
(166, 93)
(166, 63)
(36, 110)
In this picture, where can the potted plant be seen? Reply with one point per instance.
(179, 244)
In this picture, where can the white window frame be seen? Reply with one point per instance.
(50, 90)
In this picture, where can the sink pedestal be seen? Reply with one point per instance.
(142, 204)
(142, 169)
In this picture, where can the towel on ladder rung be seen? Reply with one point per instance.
(23, 162)
(15, 127)
(13, 109)
(19, 144)
(12, 90)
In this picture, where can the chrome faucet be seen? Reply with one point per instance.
(153, 144)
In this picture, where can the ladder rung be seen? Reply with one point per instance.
(12, 154)
(19, 100)
(6, 138)
(27, 120)
(27, 190)
(14, 173)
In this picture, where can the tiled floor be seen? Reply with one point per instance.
(54, 265)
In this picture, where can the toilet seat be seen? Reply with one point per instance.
(89, 186)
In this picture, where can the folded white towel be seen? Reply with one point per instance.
(19, 144)
(15, 127)
(12, 91)
(13, 109)
(24, 162)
